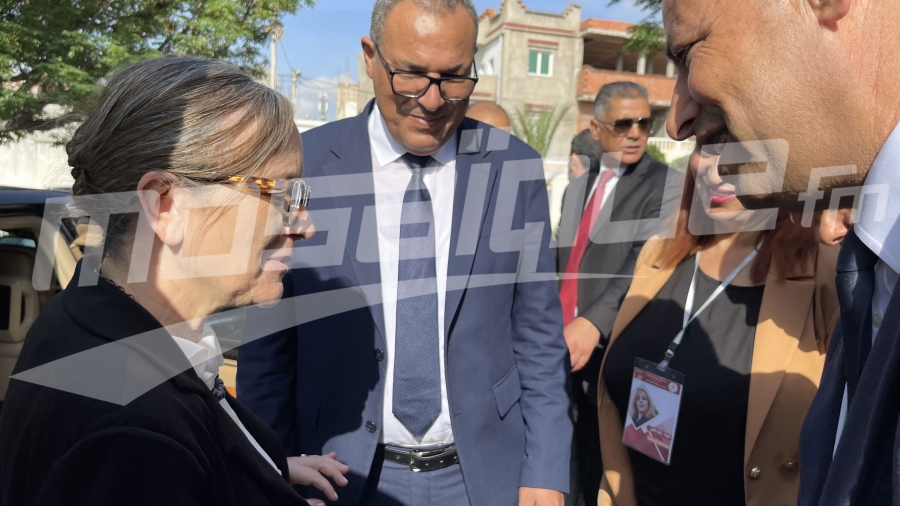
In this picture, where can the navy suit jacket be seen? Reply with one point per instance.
(865, 468)
(321, 384)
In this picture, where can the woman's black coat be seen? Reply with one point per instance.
(147, 432)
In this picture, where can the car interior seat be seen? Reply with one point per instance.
(19, 306)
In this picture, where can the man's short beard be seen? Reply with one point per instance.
(789, 199)
(785, 202)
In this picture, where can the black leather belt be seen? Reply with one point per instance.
(422, 460)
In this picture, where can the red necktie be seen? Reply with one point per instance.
(568, 292)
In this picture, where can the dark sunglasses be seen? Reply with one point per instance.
(622, 126)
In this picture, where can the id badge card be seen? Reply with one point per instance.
(653, 410)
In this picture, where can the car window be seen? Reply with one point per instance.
(23, 237)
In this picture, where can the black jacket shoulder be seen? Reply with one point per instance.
(173, 444)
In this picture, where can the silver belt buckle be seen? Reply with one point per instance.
(415, 454)
(425, 455)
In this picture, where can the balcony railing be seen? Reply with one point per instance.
(591, 79)
(671, 148)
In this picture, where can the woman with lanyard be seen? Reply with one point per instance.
(724, 330)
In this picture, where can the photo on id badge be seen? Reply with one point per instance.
(653, 411)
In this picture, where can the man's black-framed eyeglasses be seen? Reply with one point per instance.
(416, 85)
(622, 126)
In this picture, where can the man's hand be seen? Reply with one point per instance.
(582, 338)
(540, 497)
(315, 470)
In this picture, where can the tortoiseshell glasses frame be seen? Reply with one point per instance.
(291, 196)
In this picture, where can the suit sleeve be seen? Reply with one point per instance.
(267, 377)
(602, 312)
(128, 465)
(557, 258)
(542, 355)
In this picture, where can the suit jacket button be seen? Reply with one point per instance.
(379, 354)
(791, 464)
(371, 427)
(755, 472)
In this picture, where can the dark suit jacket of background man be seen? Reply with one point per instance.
(638, 195)
(320, 385)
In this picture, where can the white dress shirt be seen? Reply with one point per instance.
(206, 358)
(610, 185)
(391, 178)
(874, 230)
(607, 191)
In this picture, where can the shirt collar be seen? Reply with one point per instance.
(205, 355)
(387, 150)
(876, 223)
(616, 170)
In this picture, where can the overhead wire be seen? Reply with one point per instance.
(286, 59)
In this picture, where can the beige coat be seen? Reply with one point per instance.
(796, 319)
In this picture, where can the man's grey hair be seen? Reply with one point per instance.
(383, 9)
(622, 89)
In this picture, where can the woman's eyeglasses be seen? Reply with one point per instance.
(622, 126)
(290, 196)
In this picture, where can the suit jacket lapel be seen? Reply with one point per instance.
(239, 448)
(623, 189)
(782, 319)
(573, 208)
(353, 158)
(855, 283)
(774, 345)
(649, 279)
(474, 183)
(867, 449)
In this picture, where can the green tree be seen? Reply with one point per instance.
(55, 52)
(655, 152)
(651, 7)
(537, 128)
(647, 36)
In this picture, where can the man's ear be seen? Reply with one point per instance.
(155, 193)
(829, 12)
(368, 47)
(595, 129)
(834, 225)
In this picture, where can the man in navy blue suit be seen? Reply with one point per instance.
(429, 352)
(737, 82)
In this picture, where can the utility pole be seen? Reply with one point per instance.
(323, 105)
(276, 32)
(273, 73)
(295, 76)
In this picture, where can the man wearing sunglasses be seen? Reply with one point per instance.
(628, 179)
(445, 382)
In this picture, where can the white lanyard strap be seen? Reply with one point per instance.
(689, 303)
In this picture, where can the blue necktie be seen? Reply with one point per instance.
(417, 370)
(855, 282)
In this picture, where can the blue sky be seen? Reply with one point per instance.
(323, 42)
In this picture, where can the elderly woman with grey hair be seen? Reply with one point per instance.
(212, 163)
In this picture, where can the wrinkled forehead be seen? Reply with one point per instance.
(682, 18)
(416, 36)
